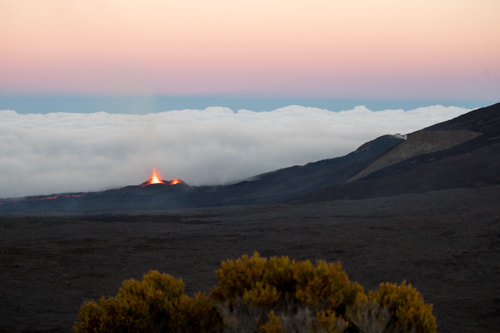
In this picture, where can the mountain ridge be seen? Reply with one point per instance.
(471, 163)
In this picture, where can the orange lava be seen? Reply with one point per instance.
(155, 178)
(175, 181)
(48, 198)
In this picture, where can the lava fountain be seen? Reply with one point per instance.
(155, 179)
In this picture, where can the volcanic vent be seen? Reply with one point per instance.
(156, 179)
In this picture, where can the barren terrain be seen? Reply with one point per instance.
(445, 243)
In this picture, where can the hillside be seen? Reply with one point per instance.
(459, 153)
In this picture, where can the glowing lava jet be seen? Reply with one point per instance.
(156, 179)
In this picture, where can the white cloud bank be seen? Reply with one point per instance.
(68, 152)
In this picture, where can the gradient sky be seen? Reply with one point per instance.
(315, 48)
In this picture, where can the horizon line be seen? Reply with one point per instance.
(142, 104)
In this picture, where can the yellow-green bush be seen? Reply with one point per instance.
(155, 304)
(257, 294)
(253, 286)
(406, 307)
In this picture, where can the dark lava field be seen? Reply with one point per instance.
(445, 243)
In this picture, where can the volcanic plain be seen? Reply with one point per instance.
(445, 243)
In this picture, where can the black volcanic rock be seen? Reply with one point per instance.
(134, 197)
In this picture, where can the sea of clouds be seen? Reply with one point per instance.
(72, 152)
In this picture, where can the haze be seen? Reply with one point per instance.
(68, 152)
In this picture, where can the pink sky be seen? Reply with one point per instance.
(314, 48)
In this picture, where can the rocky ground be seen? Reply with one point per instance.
(445, 243)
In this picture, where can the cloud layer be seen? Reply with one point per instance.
(68, 152)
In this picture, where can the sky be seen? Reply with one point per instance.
(384, 49)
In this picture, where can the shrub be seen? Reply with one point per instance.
(408, 312)
(256, 294)
(250, 287)
(157, 303)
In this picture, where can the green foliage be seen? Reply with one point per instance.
(257, 294)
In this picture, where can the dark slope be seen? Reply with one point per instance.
(151, 197)
(289, 182)
(483, 120)
(473, 163)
